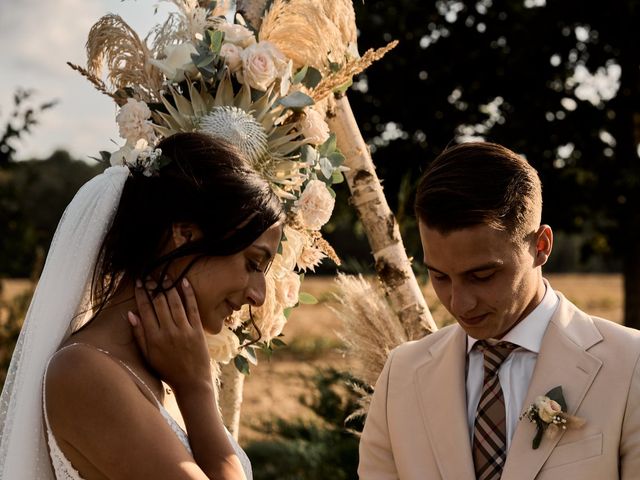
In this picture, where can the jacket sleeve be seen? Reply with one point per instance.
(376, 454)
(630, 438)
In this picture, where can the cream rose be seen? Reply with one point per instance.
(133, 122)
(177, 62)
(315, 205)
(314, 129)
(291, 247)
(232, 54)
(223, 346)
(262, 64)
(237, 34)
(287, 289)
(547, 409)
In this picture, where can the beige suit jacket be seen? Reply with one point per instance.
(417, 428)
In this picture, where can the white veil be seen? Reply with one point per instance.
(59, 296)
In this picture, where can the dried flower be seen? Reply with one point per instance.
(310, 258)
(315, 205)
(133, 122)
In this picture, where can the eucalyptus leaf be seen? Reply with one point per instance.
(278, 343)
(251, 354)
(557, 395)
(312, 78)
(216, 37)
(329, 146)
(300, 74)
(343, 88)
(336, 158)
(307, 299)
(337, 177)
(334, 67)
(242, 364)
(296, 101)
(332, 191)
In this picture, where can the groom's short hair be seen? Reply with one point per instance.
(480, 183)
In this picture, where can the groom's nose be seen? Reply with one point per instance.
(462, 300)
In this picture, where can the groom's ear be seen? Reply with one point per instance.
(183, 233)
(543, 245)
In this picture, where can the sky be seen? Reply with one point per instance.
(37, 38)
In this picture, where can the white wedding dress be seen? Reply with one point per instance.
(64, 470)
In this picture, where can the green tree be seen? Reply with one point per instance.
(556, 81)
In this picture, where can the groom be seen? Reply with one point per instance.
(448, 406)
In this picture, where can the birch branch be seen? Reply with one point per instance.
(380, 225)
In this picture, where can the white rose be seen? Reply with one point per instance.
(262, 64)
(223, 346)
(547, 409)
(288, 289)
(232, 56)
(237, 34)
(133, 122)
(315, 205)
(177, 62)
(314, 129)
(269, 317)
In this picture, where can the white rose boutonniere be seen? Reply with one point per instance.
(549, 413)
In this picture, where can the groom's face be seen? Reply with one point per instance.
(484, 278)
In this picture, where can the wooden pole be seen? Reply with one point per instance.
(232, 383)
(391, 261)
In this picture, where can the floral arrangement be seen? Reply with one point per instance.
(549, 413)
(262, 79)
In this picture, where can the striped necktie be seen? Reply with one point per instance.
(490, 431)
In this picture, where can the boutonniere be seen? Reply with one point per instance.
(549, 413)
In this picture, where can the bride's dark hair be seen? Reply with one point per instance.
(207, 183)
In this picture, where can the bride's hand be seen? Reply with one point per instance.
(171, 336)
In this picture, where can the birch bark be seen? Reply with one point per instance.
(391, 261)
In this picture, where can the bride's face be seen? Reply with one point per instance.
(223, 284)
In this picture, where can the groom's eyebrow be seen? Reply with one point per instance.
(479, 268)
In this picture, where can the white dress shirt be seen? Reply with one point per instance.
(516, 371)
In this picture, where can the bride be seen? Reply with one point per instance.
(157, 253)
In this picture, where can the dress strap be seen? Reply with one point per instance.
(123, 364)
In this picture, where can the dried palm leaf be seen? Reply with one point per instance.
(115, 43)
(371, 328)
(306, 31)
(345, 74)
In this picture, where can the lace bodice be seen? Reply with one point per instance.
(64, 470)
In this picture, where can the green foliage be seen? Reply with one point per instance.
(33, 195)
(312, 451)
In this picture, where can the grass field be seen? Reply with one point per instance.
(276, 385)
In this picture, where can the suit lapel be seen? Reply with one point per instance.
(562, 361)
(441, 389)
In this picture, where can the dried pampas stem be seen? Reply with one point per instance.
(371, 328)
(310, 33)
(112, 40)
(353, 67)
(97, 83)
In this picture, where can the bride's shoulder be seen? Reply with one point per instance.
(79, 374)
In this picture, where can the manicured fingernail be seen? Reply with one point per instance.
(138, 283)
(151, 285)
(185, 282)
(132, 319)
